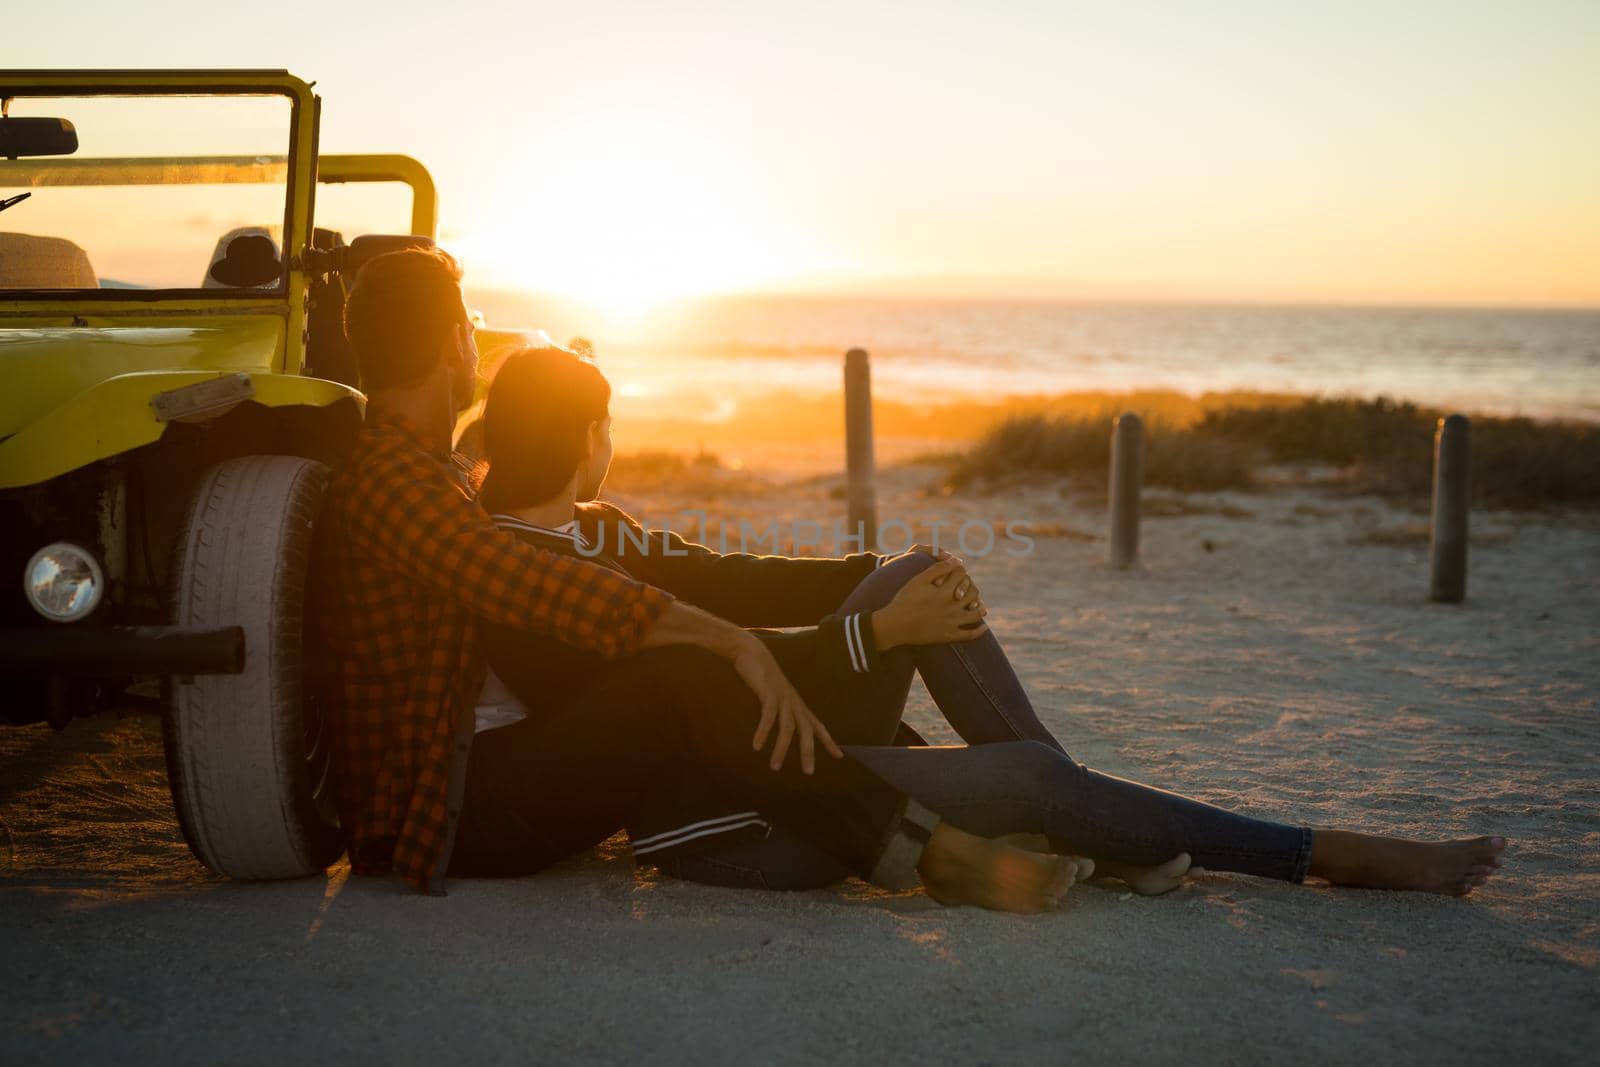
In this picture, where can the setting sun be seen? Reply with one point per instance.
(629, 215)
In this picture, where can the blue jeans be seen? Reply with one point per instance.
(1012, 776)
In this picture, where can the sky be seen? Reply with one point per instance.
(1353, 152)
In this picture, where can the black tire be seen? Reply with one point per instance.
(246, 753)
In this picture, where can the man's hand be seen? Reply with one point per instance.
(937, 606)
(780, 706)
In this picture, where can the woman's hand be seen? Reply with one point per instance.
(780, 706)
(937, 606)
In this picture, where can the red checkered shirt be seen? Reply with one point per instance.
(414, 564)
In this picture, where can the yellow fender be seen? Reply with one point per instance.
(116, 415)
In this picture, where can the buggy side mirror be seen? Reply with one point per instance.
(37, 137)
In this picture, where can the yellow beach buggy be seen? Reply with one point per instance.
(174, 381)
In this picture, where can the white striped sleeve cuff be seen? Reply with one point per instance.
(859, 660)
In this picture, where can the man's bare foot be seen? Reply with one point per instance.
(1146, 881)
(1026, 842)
(1453, 868)
(1041, 843)
(962, 868)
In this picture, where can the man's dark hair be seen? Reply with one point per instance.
(400, 313)
(540, 405)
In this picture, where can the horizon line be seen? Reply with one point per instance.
(868, 293)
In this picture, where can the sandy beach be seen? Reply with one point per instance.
(1274, 652)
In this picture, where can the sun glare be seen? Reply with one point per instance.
(628, 217)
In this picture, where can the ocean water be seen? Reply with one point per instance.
(1543, 363)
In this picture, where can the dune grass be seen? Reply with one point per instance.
(1023, 446)
(1375, 445)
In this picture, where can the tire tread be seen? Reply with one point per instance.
(235, 743)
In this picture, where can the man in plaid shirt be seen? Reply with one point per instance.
(415, 566)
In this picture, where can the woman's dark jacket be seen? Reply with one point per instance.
(753, 591)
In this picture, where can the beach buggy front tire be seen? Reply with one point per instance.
(247, 755)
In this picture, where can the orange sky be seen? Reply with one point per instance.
(1439, 153)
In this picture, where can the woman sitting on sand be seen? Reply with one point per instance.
(547, 436)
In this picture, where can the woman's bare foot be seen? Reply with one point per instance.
(1146, 881)
(1453, 868)
(1149, 881)
(962, 868)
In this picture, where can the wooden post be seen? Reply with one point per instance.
(1447, 545)
(860, 471)
(1127, 473)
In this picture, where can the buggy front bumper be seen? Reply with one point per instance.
(71, 651)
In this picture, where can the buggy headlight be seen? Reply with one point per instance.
(63, 582)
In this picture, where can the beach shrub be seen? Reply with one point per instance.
(1031, 445)
(1327, 431)
(1378, 446)
(1387, 447)
(1524, 463)
(1381, 446)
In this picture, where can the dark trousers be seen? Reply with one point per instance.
(565, 779)
(1013, 777)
